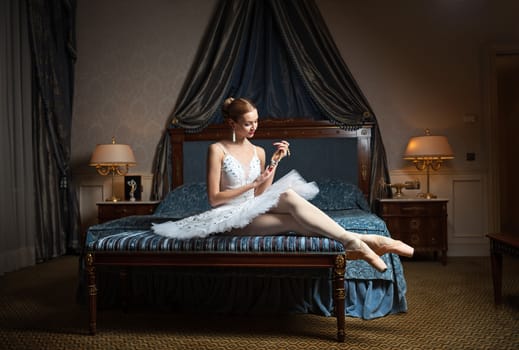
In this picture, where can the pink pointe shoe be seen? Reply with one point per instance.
(358, 250)
(382, 245)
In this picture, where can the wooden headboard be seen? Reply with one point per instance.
(279, 129)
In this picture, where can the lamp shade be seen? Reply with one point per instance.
(428, 147)
(112, 154)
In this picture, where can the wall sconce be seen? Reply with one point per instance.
(112, 159)
(428, 152)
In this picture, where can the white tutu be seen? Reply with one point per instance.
(236, 215)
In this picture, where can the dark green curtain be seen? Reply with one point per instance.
(52, 42)
(280, 54)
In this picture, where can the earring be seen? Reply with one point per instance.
(233, 136)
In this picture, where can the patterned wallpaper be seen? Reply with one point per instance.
(133, 57)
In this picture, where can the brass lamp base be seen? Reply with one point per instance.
(113, 198)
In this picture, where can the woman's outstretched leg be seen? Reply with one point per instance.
(313, 220)
(359, 246)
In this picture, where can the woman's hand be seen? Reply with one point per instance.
(264, 176)
(281, 152)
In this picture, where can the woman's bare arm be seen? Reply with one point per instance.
(266, 178)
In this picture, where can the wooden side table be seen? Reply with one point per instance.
(501, 243)
(107, 211)
(421, 223)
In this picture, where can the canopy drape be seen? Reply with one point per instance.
(281, 55)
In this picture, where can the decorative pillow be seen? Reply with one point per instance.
(185, 200)
(339, 195)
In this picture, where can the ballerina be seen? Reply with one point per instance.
(246, 201)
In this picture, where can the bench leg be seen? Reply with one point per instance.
(339, 295)
(497, 274)
(92, 293)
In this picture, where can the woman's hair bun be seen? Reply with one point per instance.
(235, 108)
(225, 107)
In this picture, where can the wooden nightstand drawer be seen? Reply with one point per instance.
(107, 211)
(413, 209)
(421, 223)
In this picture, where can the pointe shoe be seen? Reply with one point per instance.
(358, 250)
(382, 245)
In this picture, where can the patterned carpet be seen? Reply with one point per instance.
(450, 307)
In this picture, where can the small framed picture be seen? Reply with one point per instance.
(132, 188)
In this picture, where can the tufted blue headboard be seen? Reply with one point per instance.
(321, 150)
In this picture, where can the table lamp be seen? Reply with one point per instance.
(428, 152)
(113, 158)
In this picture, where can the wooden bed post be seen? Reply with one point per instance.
(364, 159)
(177, 156)
(339, 295)
(92, 292)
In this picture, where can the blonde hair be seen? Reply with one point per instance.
(234, 108)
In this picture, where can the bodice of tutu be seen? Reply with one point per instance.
(235, 175)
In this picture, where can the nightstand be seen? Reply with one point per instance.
(422, 223)
(107, 211)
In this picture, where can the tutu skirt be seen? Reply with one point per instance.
(237, 214)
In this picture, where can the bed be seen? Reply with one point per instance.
(252, 274)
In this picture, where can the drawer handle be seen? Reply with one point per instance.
(413, 209)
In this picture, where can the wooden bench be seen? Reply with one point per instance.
(501, 243)
(123, 260)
